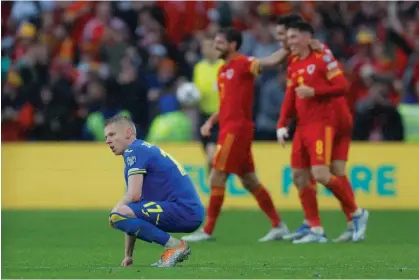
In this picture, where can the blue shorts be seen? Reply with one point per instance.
(170, 216)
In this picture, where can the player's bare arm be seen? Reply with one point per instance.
(274, 60)
(134, 191)
(280, 56)
(206, 128)
(129, 250)
(133, 194)
(214, 118)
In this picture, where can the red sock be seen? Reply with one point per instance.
(308, 198)
(214, 208)
(342, 190)
(266, 205)
(347, 210)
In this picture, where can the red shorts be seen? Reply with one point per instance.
(341, 143)
(318, 144)
(234, 152)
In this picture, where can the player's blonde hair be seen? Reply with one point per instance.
(118, 119)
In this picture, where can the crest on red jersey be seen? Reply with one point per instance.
(230, 73)
(311, 68)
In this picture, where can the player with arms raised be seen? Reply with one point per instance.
(315, 80)
(236, 85)
(160, 196)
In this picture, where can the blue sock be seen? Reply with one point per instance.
(139, 228)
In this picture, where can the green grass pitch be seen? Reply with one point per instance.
(80, 244)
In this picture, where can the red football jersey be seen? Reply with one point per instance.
(236, 81)
(321, 72)
(343, 105)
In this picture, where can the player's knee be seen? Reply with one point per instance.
(300, 178)
(250, 182)
(117, 217)
(338, 167)
(123, 211)
(321, 174)
(218, 178)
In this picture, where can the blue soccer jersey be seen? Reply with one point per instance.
(165, 179)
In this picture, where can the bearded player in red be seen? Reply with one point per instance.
(315, 83)
(236, 80)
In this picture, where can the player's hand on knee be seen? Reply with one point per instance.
(127, 261)
(281, 134)
(206, 129)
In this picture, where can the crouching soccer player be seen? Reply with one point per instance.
(160, 196)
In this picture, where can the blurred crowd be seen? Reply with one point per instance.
(68, 66)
